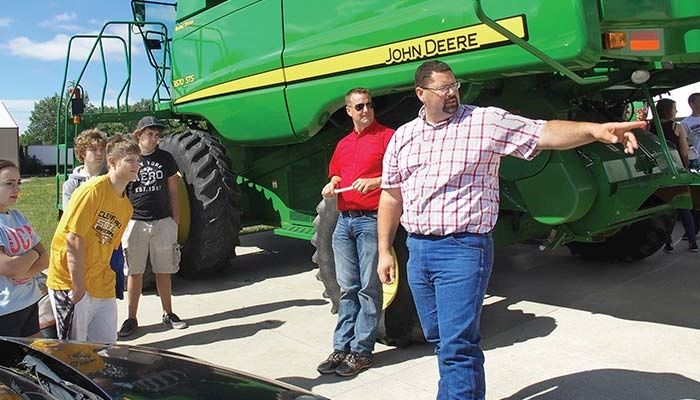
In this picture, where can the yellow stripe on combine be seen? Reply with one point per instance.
(439, 44)
(258, 80)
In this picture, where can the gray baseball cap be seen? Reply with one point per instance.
(149, 122)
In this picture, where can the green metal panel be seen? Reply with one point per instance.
(562, 192)
(679, 38)
(692, 41)
(236, 39)
(187, 8)
(641, 10)
(229, 116)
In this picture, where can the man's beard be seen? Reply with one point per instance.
(450, 105)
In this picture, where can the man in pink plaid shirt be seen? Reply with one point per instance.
(440, 180)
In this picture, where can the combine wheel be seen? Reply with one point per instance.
(631, 243)
(209, 202)
(399, 325)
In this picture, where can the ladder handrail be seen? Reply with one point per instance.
(62, 110)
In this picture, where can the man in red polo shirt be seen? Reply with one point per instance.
(355, 176)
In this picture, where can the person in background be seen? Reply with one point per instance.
(676, 134)
(81, 282)
(691, 124)
(90, 150)
(22, 258)
(152, 231)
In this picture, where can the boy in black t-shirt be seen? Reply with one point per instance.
(152, 230)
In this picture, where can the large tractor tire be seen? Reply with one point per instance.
(631, 243)
(212, 224)
(399, 325)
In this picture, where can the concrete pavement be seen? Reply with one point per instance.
(554, 327)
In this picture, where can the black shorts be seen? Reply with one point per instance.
(22, 323)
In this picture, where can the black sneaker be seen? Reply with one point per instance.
(354, 364)
(693, 247)
(128, 327)
(332, 362)
(174, 321)
(668, 247)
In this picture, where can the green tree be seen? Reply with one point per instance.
(121, 127)
(42, 122)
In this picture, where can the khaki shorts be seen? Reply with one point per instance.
(155, 238)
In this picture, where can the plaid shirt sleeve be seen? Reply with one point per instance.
(512, 134)
(391, 177)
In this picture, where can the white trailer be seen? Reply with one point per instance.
(46, 154)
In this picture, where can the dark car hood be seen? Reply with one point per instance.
(135, 372)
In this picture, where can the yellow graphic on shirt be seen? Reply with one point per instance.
(106, 226)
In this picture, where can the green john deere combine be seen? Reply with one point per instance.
(259, 85)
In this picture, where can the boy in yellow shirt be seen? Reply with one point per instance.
(80, 280)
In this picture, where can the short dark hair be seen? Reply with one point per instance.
(692, 97)
(357, 90)
(7, 164)
(424, 73)
(665, 107)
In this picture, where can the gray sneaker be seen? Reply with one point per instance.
(174, 321)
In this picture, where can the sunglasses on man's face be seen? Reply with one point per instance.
(361, 106)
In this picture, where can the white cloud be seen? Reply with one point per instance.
(65, 17)
(5, 22)
(20, 110)
(56, 48)
(61, 22)
(53, 49)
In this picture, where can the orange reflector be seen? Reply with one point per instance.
(76, 119)
(614, 40)
(645, 41)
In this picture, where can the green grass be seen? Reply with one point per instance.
(38, 202)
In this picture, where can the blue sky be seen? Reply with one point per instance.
(34, 37)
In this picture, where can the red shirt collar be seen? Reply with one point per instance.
(373, 127)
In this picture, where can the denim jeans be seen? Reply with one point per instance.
(360, 305)
(686, 217)
(694, 164)
(448, 276)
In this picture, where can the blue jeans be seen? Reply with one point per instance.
(694, 164)
(360, 305)
(687, 220)
(448, 276)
